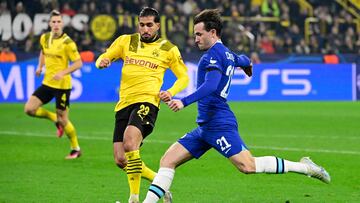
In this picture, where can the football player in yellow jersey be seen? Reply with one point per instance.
(57, 49)
(146, 56)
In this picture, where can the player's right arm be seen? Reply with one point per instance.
(41, 57)
(114, 52)
(40, 65)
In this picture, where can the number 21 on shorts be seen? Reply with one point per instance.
(223, 143)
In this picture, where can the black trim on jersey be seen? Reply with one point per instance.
(60, 35)
(156, 37)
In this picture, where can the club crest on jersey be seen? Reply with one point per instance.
(212, 61)
(156, 53)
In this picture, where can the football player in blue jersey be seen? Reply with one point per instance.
(217, 125)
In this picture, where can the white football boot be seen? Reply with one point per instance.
(315, 171)
(167, 197)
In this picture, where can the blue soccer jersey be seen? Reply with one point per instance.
(217, 123)
(213, 111)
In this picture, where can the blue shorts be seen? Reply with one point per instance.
(198, 141)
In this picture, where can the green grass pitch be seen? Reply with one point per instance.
(33, 169)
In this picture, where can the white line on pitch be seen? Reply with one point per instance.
(108, 138)
(290, 136)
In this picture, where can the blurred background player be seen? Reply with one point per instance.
(146, 57)
(56, 50)
(218, 127)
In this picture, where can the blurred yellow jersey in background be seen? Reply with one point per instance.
(57, 54)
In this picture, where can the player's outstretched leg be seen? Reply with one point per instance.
(161, 183)
(246, 163)
(315, 171)
(149, 175)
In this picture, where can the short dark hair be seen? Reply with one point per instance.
(211, 19)
(148, 11)
(54, 13)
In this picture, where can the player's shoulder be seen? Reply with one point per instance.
(165, 44)
(128, 36)
(66, 39)
(45, 36)
(220, 51)
(128, 39)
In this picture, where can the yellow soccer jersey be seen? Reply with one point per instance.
(57, 53)
(144, 67)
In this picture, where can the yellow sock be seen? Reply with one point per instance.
(147, 173)
(43, 113)
(71, 133)
(133, 170)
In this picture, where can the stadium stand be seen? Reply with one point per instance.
(261, 26)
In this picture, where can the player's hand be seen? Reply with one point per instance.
(175, 105)
(104, 63)
(58, 76)
(165, 96)
(38, 71)
(248, 69)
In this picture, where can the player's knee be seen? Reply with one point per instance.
(29, 111)
(129, 145)
(62, 120)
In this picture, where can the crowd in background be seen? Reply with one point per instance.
(334, 30)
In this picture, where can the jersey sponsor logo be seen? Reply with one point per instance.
(141, 62)
(52, 56)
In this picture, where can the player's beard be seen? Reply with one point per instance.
(150, 39)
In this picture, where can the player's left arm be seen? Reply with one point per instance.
(244, 63)
(179, 69)
(74, 56)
